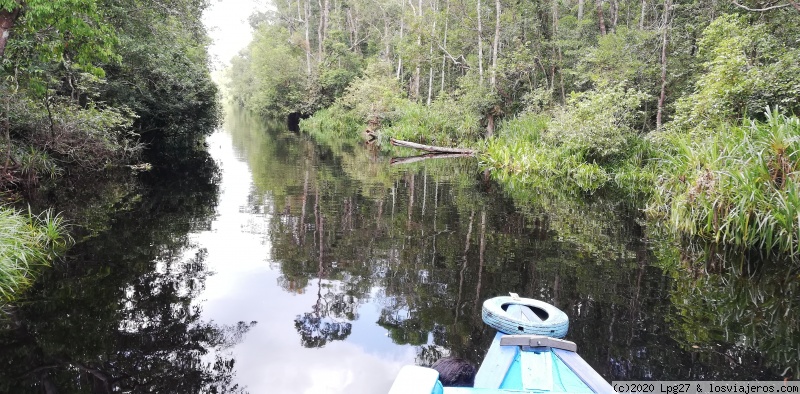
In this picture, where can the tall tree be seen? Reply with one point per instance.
(480, 43)
(307, 42)
(495, 44)
(664, 40)
(643, 14)
(600, 20)
(430, 54)
(444, 41)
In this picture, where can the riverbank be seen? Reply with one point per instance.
(573, 106)
(85, 89)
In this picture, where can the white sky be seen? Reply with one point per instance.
(227, 25)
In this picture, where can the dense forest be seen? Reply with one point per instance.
(87, 86)
(690, 104)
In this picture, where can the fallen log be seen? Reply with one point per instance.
(414, 159)
(431, 148)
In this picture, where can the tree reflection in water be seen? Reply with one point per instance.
(119, 313)
(428, 242)
(327, 321)
(733, 306)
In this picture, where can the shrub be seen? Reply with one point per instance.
(374, 96)
(598, 122)
(588, 143)
(90, 137)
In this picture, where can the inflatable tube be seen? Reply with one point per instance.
(551, 321)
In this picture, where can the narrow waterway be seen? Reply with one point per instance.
(276, 263)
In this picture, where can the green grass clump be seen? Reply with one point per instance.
(27, 242)
(738, 185)
(445, 122)
(527, 148)
(334, 121)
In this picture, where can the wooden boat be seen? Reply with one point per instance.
(517, 363)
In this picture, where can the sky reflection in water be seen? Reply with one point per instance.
(245, 287)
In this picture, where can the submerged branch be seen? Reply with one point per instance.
(414, 159)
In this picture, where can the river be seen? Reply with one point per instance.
(277, 263)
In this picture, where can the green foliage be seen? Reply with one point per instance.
(598, 122)
(26, 243)
(88, 137)
(589, 142)
(163, 76)
(372, 101)
(35, 164)
(446, 122)
(373, 96)
(260, 83)
(745, 69)
(624, 57)
(572, 102)
(84, 81)
(275, 86)
(737, 186)
(51, 31)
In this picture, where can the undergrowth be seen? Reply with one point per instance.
(27, 242)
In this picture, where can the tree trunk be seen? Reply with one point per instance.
(402, 28)
(480, 44)
(496, 43)
(643, 15)
(307, 12)
(600, 19)
(580, 8)
(664, 40)
(322, 29)
(431, 148)
(351, 30)
(418, 68)
(444, 45)
(557, 52)
(7, 21)
(614, 15)
(430, 56)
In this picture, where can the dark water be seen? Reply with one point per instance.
(277, 264)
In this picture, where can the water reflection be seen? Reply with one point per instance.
(353, 267)
(736, 308)
(435, 238)
(118, 314)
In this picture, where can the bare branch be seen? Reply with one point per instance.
(770, 8)
(455, 61)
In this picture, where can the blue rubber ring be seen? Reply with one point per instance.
(555, 325)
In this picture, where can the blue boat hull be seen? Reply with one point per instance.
(538, 370)
(515, 364)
